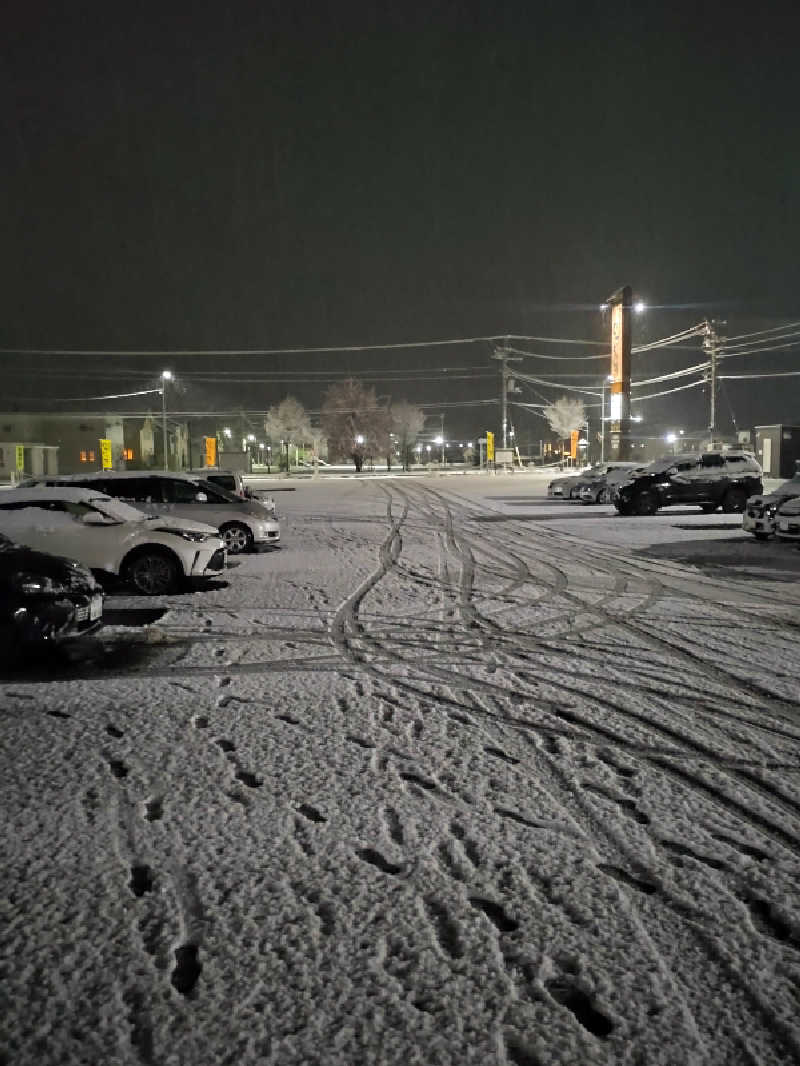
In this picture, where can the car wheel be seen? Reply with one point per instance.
(153, 573)
(625, 508)
(735, 501)
(237, 537)
(708, 508)
(761, 535)
(646, 503)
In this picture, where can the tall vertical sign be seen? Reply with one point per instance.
(620, 385)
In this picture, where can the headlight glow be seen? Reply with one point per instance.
(187, 534)
(38, 584)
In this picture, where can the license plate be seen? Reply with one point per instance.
(95, 608)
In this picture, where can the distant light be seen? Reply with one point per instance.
(166, 375)
(638, 418)
(609, 377)
(469, 443)
(438, 440)
(359, 439)
(681, 432)
(670, 438)
(261, 444)
(227, 432)
(603, 307)
(251, 436)
(639, 307)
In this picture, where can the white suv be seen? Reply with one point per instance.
(154, 555)
(242, 524)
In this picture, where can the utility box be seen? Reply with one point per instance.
(778, 449)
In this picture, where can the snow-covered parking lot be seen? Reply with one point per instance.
(457, 775)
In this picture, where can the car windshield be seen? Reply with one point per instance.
(116, 509)
(792, 485)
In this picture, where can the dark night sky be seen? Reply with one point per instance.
(268, 175)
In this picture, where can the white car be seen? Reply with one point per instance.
(761, 512)
(788, 520)
(153, 554)
(242, 524)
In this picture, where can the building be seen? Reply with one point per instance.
(778, 449)
(136, 441)
(20, 457)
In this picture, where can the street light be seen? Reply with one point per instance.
(166, 375)
(439, 440)
(639, 307)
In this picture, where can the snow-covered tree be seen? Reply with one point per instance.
(288, 422)
(565, 415)
(407, 423)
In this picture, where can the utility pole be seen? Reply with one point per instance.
(506, 384)
(712, 342)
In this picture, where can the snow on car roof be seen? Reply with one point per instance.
(52, 492)
(115, 474)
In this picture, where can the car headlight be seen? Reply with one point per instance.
(187, 534)
(38, 584)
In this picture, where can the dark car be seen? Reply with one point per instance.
(44, 599)
(710, 480)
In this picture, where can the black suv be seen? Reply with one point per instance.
(710, 480)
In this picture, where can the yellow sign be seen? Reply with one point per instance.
(573, 444)
(489, 447)
(211, 451)
(20, 457)
(105, 452)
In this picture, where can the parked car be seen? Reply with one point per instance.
(153, 554)
(44, 599)
(242, 524)
(592, 486)
(787, 519)
(710, 480)
(561, 486)
(761, 513)
(233, 481)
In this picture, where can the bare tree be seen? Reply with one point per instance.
(407, 422)
(288, 423)
(354, 422)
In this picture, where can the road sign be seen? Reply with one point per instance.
(105, 452)
(489, 447)
(211, 451)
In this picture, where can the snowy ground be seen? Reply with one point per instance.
(458, 775)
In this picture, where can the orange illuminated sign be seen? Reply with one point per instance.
(573, 444)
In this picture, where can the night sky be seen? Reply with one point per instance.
(262, 175)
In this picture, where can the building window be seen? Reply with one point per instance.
(91, 457)
(83, 457)
(127, 453)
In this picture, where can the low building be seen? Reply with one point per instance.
(778, 449)
(18, 458)
(136, 440)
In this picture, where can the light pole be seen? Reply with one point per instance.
(166, 375)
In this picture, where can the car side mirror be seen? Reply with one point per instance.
(201, 497)
(94, 518)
